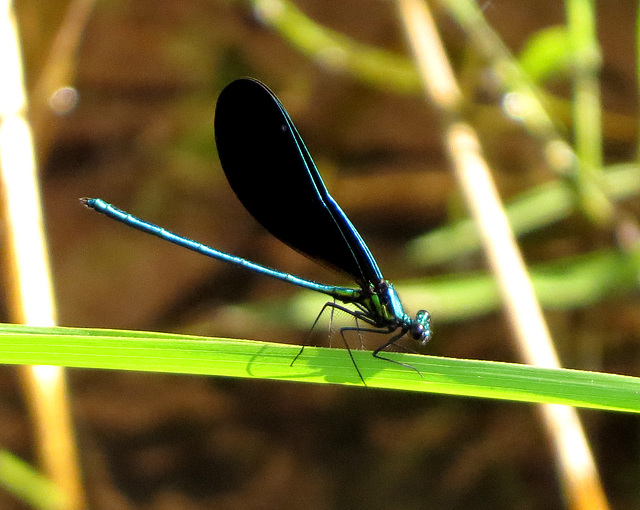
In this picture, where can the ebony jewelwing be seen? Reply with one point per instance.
(271, 171)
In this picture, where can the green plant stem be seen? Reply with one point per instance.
(26, 483)
(587, 122)
(532, 210)
(380, 68)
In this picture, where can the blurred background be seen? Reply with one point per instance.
(135, 127)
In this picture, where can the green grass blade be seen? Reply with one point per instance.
(23, 481)
(157, 352)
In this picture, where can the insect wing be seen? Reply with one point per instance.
(272, 173)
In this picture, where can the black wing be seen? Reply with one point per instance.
(272, 173)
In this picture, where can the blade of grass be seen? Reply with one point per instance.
(22, 480)
(182, 354)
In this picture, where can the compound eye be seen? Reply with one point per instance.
(421, 328)
(417, 331)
